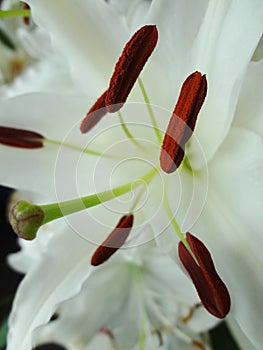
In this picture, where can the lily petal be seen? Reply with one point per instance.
(61, 278)
(249, 110)
(93, 24)
(217, 53)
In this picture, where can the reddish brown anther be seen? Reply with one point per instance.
(114, 241)
(211, 289)
(130, 64)
(94, 115)
(182, 122)
(20, 138)
(26, 20)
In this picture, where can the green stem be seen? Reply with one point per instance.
(175, 223)
(150, 110)
(127, 132)
(81, 150)
(15, 13)
(57, 210)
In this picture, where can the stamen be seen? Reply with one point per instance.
(188, 317)
(94, 115)
(26, 19)
(210, 288)
(131, 62)
(198, 345)
(114, 241)
(182, 122)
(20, 138)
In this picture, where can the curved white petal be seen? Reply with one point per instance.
(218, 53)
(231, 227)
(89, 43)
(241, 339)
(249, 112)
(58, 276)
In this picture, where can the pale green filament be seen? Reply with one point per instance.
(142, 336)
(175, 223)
(57, 210)
(79, 149)
(150, 110)
(15, 13)
(127, 132)
(137, 199)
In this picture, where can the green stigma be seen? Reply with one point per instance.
(25, 219)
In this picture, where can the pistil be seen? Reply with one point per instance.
(54, 211)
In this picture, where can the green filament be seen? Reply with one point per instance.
(150, 110)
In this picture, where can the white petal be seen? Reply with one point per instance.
(231, 227)
(85, 42)
(100, 300)
(249, 112)
(58, 276)
(242, 340)
(218, 52)
(53, 116)
(177, 23)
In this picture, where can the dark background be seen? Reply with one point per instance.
(221, 338)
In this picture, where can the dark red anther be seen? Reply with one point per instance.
(130, 64)
(26, 20)
(114, 241)
(20, 138)
(211, 289)
(182, 122)
(94, 115)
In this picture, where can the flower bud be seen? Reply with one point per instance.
(25, 219)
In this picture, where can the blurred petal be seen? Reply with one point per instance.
(93, 25)
(249, 112)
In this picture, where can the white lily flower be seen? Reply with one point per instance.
(206, 38)
(137, 293)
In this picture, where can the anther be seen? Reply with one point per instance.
(114, 241)
(94, 115)
(211, 289)
(182, 122)
(26, 20)
(198, 345)
(130, 64)
(20, 138)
